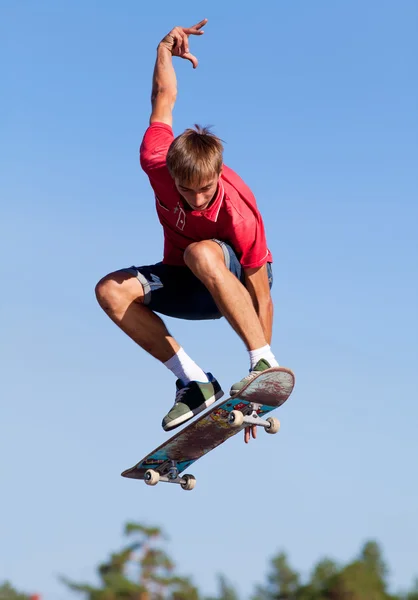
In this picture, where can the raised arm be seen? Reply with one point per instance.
(164, 81)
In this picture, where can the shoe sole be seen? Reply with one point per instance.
(192, 413)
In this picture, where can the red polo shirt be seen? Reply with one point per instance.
(232, 217)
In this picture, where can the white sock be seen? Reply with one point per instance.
(185, 368)
(264, 352)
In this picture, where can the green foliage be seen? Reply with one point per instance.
(322, 574)
(356, 581)
(371, 557)
(282, 581)
(7, 592)
(317, 587)
(226, 591)
(362, 579)
(148, 532)
(140, 571)
(413, 594)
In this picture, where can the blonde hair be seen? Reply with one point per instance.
(195, 156)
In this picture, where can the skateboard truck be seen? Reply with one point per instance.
(187, 482)
(236, 419)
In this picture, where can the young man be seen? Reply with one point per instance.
(216, 261)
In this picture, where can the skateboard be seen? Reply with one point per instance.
(267, 391)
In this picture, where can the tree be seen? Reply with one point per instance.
(356, 582)
(283, 582)
(140, 571)
(321, 576)
(362, 579)
(371, 556)
(413, 594)
(7, 592)
(226, 591)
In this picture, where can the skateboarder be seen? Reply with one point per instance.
(216, 261)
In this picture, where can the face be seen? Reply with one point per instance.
(198, 197)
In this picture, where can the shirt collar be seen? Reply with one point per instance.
(211, 213)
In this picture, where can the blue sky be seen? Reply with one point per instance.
(317, 105)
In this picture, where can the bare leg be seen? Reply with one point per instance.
(121, 297)
(207, 262)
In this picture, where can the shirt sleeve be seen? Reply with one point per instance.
(152, 156)
(248, 239)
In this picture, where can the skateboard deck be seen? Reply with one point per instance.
(225, 418)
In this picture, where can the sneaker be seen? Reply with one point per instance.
(190, 400)
(262, 365)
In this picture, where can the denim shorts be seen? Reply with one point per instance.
(176, 292)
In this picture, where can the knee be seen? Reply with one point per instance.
(107, 291)
(205, 254)
(117, 289)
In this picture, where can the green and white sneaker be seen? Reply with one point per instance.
(190, 400)
(262, 365)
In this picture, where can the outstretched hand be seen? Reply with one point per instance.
(249, 431)
(177, 41)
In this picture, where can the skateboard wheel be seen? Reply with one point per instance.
(189, 482)
(151, 477)
(274, 425)
(236, 418)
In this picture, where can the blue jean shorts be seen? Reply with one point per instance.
(176, 292)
